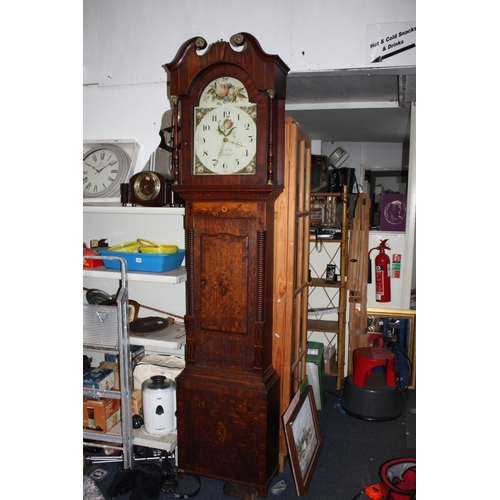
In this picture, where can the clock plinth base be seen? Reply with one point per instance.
(228, 425)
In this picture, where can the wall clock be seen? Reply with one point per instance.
(228, 166)
(106, 165)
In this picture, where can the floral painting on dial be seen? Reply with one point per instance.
(224, 90)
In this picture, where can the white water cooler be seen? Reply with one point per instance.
(159, 405)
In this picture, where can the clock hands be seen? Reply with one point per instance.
(102, 168)
(91, 166)
(224, 140)
(96, 169)
(237, 144)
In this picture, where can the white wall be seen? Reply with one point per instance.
(367, 154)
(126, 42)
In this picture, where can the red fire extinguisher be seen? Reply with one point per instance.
(382, 272)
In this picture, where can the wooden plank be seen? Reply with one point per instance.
(358, 272)
(291, 236)
(363, 259)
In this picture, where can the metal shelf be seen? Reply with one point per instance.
(122, 433)
(117, 208)
(173, 277)
(167, 442)
(121, 326)
(116, 435)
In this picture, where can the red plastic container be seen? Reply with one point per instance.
(91, 263)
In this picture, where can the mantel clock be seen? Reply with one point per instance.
(228, 102)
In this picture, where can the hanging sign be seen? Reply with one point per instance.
(391, 44)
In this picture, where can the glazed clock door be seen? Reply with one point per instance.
(225, 134)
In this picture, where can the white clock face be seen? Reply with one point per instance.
(100, 171)
(226, 140)
(225, 130)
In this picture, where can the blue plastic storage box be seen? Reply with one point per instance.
(150, 263)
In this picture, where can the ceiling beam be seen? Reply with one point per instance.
(310, 106)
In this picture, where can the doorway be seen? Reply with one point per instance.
(380, 180)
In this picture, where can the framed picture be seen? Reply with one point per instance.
(303, 435)
(319, 174)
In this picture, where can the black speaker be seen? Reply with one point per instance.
(341, 177)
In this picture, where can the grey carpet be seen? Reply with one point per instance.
(353, 451)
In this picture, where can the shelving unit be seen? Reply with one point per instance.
(118, 224)
(118, 208)
(122, 223)
(173, 277)
(167, 442)
(118, 343)
(326, 297)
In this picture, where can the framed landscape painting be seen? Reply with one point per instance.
(304, 438)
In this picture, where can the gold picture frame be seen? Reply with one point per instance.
(411, 316)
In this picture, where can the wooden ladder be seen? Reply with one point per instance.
(357, 276)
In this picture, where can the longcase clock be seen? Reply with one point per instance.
(228, 156)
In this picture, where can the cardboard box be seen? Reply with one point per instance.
(99, 378)
(136, 395)
(100, 414)
(109, 365)
(136, 354)
(137, 402)
(110, 362)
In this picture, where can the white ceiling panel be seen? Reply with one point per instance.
(353, 106)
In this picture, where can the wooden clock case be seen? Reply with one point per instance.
(228, 396)
(155, 187)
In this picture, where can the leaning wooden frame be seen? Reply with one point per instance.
(303, 435)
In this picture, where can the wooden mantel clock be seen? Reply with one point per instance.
(228, 159)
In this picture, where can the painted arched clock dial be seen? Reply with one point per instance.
(225, 130)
